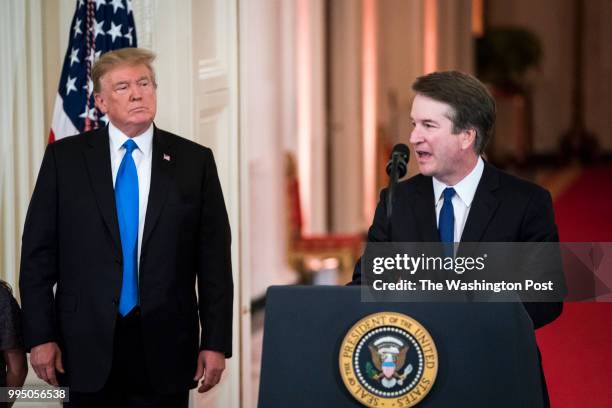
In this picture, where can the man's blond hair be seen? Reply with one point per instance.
(124, 56)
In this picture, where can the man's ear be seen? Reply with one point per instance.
(468, 138)
(100, 103)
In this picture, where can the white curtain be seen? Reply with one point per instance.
(22, 133)
(144, 16)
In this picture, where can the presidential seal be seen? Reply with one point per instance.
(388, 359)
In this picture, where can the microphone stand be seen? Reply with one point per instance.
(393, 178)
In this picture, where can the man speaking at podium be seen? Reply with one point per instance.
(124, 220)
(458, 197)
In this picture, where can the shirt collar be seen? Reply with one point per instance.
(466, 188)
(144, 141)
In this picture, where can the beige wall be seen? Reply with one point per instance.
(266, 112)
(345, 125)
(22, 133)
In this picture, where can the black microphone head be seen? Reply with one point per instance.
(402, 154)
(402, 149)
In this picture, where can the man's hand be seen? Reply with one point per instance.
(210, 365)
(45, 359)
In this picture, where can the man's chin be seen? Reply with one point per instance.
(426, 170)
(141, 122)
(140, 116)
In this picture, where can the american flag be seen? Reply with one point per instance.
(98, 26)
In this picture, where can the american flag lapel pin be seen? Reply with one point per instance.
(166, 157)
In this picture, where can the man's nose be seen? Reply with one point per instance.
(415, 136)
(135, 93)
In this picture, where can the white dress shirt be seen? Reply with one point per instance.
(462, 200)
(142, 158)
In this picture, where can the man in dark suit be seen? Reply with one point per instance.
(458, 197)
(127, 221)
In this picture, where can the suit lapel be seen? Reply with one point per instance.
(97, 157)
(162, 166)
(483, 207)
(425, 211)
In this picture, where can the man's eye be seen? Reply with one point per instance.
(144, 83)
(121, 87)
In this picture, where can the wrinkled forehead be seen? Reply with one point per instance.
(126, 73)
(426, 108)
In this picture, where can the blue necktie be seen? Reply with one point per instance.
(126, 198)
(446, 223)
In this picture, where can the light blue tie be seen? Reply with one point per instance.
(126, 198)
(446, 223)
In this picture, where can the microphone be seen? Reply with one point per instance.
(398, 160)
(396, 169)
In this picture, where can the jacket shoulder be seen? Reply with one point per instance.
(183, 143)
(414, 184)
(75, 141)
(519, 187)
(67, 152)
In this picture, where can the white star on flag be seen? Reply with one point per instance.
(104, 119)
(91, 86)
(129, 6)
(128, 35)
(74, 56)
(98, 29)
(100, 3)
(70, 85)
(93, 57)
(81, 3)
(117, 5)
(77, 28)
(88, 112)
(115, 31)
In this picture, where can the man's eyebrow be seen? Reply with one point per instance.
(125, 81)
(428, 121)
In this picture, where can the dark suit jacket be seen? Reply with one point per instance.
(505, 209)
(71, 238)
